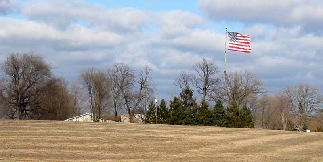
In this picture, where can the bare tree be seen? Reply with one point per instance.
(130, 91)
(144, 91)
(272, 112)
(239, 88)
(122, 77)
(4, 108)
(24, 74)
(304, 100)
(97, 85)
(101, 86)
(79, 98)
(55, 101)
(184, 80)
(86, 78)
(206, 77)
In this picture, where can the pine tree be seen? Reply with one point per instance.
(189, 105)
(162, 112)
(219, 115)
(176, 112)
(246, 120)
(233, 116)
(203, 114)
(150, 116)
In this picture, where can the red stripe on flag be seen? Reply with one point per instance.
(241, 43)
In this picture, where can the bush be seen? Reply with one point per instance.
(319, 129)
(291, 126)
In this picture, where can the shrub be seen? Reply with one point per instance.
(319, 129)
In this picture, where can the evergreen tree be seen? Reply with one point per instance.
(246, 118)
(203, 114)
(219, 115)
(176, 112)
(150, 116)
(189, 105)
(162, 112)
(233, 116)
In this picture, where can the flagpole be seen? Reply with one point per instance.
(225, 51)
(225, 60)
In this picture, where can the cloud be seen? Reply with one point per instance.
(61, 15)
(288, 13)
(176, 23)
(8, 6)
(75, 37)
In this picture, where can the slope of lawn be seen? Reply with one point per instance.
(76, 141)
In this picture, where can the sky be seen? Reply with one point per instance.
(169, 37)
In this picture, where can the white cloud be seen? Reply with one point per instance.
(179, 21)
(9, 6)
(61, 15)
(271, 61)
(288, 13)
(73, 38)
(81, 36)
(22, 28)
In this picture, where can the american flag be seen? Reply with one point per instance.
(239, 42)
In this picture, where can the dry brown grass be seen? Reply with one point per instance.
(75, 141)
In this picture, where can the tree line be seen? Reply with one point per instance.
(184, 110)
(29, 90)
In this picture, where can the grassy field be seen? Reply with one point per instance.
(75, 141)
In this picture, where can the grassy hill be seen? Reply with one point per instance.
(75, 141)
